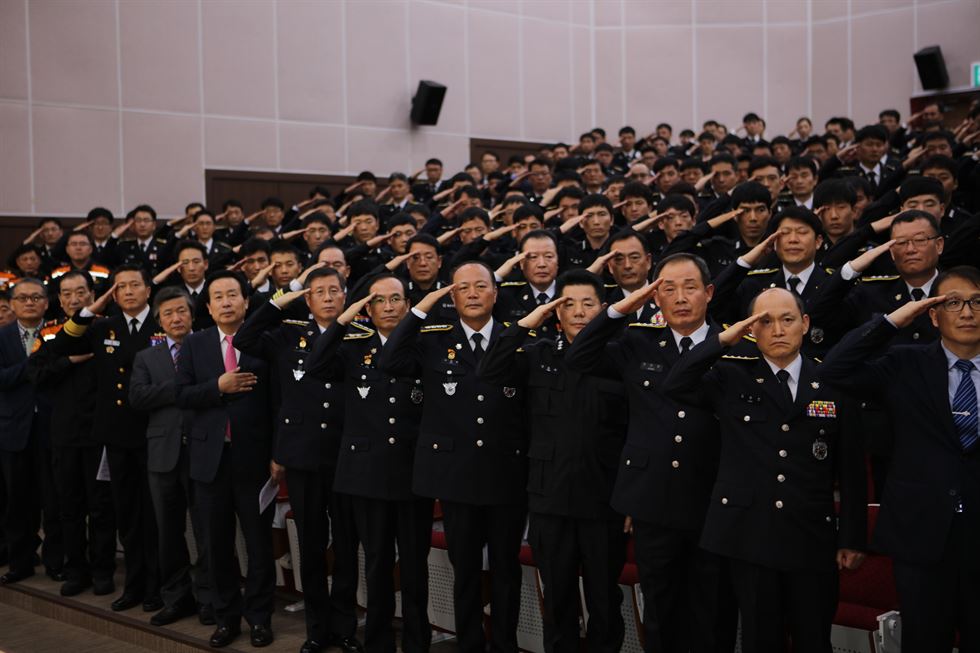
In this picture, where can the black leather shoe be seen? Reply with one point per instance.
(205, 614)
(152, 603)
(173, 613)
(15, 576)
(223, 636)
(57, 575)
(75, 586)
(261, 636)
(102, 587)
(347, 644)
(125, 602)
(311, 646)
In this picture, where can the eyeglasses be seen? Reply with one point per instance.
(394, 300)
(955, 304)
(333, 292)
(29, 299)
(917, 243)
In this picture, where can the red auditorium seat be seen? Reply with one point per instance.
(868, 591)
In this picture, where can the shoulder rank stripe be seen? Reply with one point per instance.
(733, 357)
(74, 329)
(299, 323)
(880, 277)
(435, 328)
(512, 283)
(762, 271)
(358, 325)
(359, 336)
(647, 325)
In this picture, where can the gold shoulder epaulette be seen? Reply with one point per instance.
(880, 277)
(733, 357)
(358, 325)
(359, 335)
(762, 271)
(436, 328)
(647, 325)
(162, 241)
(300, 323)
(829, 270)
(610, 285)
(74, 329)
(504, 284)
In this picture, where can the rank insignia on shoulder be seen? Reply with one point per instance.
(753, 273)
(645, 325)
(436, 328)
(512, 284)
(733, 357)
(361, 335)
(821, 409)
(880, 277)
(299, 323)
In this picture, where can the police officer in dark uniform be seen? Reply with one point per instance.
(147, 251)
(472, 450)
(787, 440)
(374, 466)
(114, 342)
(577, 428)
(539, 264)
(308, 432)
(668, 466)
(87, 521)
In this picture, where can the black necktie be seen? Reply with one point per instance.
(686, 343)
(542, 298)
(143, 247)
(783, 377)
(871, 177)
(134, 326)
(194, 296)
(793, 283)
(918, 294)
(477, 346)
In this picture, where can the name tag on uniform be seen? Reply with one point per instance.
(108, 342)
(651, 367)
(821, 409)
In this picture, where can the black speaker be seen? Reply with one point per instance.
(932, 68)
(427, 103)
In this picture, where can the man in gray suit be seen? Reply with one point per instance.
(152, 389)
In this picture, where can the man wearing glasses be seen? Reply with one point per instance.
(849, 299)
(930, 513)
(308, 431)
(22, 417)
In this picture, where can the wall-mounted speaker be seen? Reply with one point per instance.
(932, 68)
(427, 103)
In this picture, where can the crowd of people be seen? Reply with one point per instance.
(723, 346)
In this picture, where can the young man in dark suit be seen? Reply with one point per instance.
(227, 402)
(929, 523)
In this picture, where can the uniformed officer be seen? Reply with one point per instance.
(538, 260)
(472, 449)
(577, 429)
(787, 440)
(374, 466)
(308, 431)
(114, 342)
(87, 520)
(147, 251)
(668, 466)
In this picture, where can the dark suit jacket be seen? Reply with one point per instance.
(208, 411)
(773, 500)
(153, 388)
(472, 444)
(115, 421)
(649, 486)
(70, 389)
(929, 472)
(18, 399)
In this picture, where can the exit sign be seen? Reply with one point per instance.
(975, 74)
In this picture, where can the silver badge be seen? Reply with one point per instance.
(815, 385)
(363, 390)
(416, 395)
(819, 449)
(449, 387)
(510, 392)
(298, 374)
(816, 335)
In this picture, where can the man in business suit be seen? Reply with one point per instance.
(152, 388)
(929, 523)
(787, 439)
(308, 429)
(114, 342)
(23, 414)
(226, 398)
(69, 382)
(374, 464)
(471, 453)
(577, 429)
(665, 473)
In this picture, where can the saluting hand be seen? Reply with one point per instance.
(636, 299)
(905, 314)
(430, 300)
(355, 309)
(287, 298)
(99, 305)
(864, 261)
(734, 333)
(536, 318)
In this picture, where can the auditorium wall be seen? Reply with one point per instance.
(115, 102)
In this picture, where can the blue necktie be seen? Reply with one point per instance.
(965, 406)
